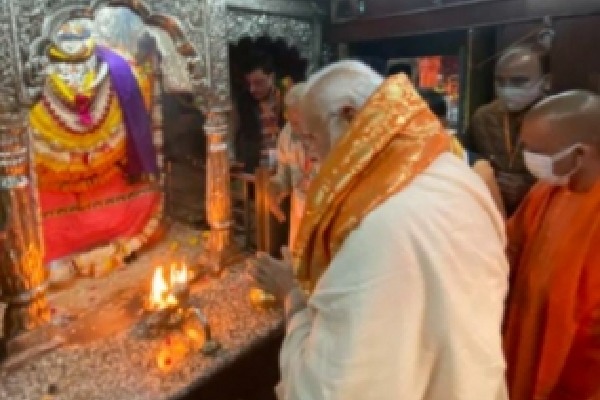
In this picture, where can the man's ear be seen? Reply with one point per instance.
(348, 113)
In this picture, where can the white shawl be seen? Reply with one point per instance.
(411, 306)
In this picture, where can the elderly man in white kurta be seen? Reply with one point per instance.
(295, 166)
(402, 249)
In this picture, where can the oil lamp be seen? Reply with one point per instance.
(167, 310)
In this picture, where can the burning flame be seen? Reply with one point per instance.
(179, 275)
(163, 295)
(160, 295)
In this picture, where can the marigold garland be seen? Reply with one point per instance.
(81, 162)
(56, 54)
(83, 170)
(68, 94)
(72, 161)
(77, 183)
(48, 127)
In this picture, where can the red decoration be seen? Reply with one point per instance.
(82, 106)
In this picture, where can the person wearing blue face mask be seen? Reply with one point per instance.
(552, 326)
(521, 79)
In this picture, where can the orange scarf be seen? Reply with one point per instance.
(393, 139)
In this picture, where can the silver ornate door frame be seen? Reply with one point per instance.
(298, 22)
(201, 31)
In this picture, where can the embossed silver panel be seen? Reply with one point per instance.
(201, 30)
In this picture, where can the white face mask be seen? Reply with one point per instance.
(519, 98)
(542, 166)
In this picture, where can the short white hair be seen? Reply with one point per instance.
(342, 84)
(294, 95)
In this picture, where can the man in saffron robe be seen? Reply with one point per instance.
(402, 248)
(552, 336)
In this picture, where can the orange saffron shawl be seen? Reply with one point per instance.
(393, 138)
(552, 328)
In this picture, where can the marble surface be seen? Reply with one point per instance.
(102, 360)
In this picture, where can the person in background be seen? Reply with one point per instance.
(260, 118)
(402, 249)
(294, 166)
(452, 89)
(552, 328)
(437, 104)
(521, 79)
(259, 114)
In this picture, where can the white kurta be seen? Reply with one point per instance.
(411, 306)
(292, 175)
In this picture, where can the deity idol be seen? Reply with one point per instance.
(94, 155)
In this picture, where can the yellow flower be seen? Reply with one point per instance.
(67, 93)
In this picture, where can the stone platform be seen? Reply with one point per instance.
(92, 354)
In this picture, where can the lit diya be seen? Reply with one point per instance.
(167, 314)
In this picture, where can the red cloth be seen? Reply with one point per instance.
(73, 231)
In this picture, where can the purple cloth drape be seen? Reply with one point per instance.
(141, 154)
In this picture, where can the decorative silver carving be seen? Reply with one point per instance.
(8, 74)
(184, 21)
(3, 7)
(296, 21)
(205, 45)
(293, 8)
(201, 31)
(296, 32)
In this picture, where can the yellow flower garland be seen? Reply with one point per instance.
(66, 93)
(57, 54)
(76, 175)
(53, 132)
(101, 159)
(48, 128)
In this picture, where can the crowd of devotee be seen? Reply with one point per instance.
(423, 264)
